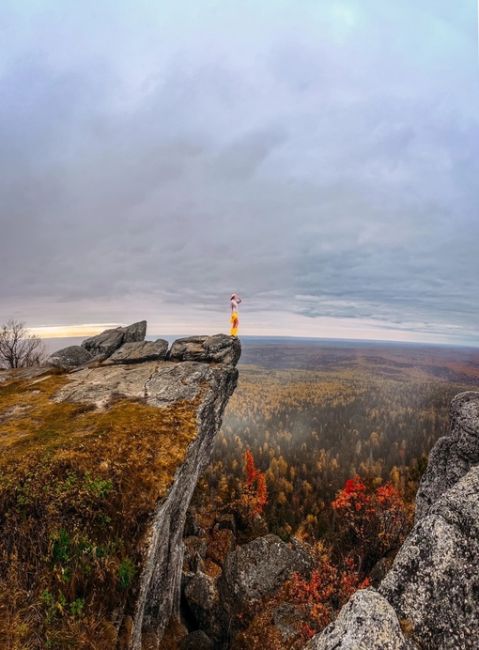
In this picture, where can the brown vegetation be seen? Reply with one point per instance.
(76, 489)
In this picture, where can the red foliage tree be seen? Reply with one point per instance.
(370, 521)
(327, 589)
(254, 492)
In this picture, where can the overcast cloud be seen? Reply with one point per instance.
(320, 157)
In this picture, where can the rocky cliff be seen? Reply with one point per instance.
(430, 597)
(98, 468)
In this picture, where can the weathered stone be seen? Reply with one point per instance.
(107, 342)
(197, 640)
(434, 582)
(134, 332)
(219, 348)
(366, 622)
(157, 383)
(454, 454)
(70, 357)
(203, 601)
(140, 352)
(258, 569)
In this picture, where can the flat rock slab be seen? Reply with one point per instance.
(157, 383)
(219, 348)
(140, 352)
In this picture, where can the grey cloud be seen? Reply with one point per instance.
(306, 157)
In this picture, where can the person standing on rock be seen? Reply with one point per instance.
(235, 301)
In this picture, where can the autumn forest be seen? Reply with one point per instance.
(326, 444)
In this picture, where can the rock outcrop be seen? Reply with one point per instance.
(430, 597)
(453, 455)
(219, 348)
(127, 367)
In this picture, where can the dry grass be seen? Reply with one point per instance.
(77, 487)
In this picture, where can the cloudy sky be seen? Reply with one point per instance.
(319, 156)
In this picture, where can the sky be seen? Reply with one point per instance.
(319, 157)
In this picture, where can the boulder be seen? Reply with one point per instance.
(135, 332)
(258, 569)
(107, 342)
(366, 622)
(202, 598)
(219, 348)
(69, 358)
(140, 352)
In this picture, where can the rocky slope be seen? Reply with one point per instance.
(430, 597)
(107, 458)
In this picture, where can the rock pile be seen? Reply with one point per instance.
(127, 345)
(227, 584)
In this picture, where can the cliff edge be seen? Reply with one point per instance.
(430, 597)
(101, 453)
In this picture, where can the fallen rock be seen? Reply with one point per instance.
(202, 597)
(258, 569)
(366, 622)
(219, 348)
(107, 342)
(140, 352)
(70, 357)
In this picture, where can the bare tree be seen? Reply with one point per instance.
(18, 348)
